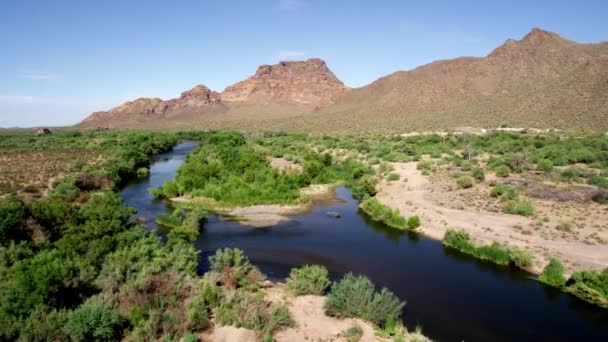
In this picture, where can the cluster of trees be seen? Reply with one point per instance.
(234, 170)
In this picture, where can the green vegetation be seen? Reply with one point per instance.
(381, 213)
(553, 273)
(519, 207)
(544, 165)
(308, 280)
(355, 296)
(502, 171)
(495, 252)
(591, 286)
(465, 182)
(353, 333)
(393, 177)
(478, 174)
(413, 222)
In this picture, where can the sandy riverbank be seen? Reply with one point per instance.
(415, 194)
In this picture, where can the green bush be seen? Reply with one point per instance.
(142, 172)
(599, 181)
(12, 214)
(519, 207)
(425, 165)
(544, 165)
(505, 192)
(308, 280)
(393, 177)
(465, 182)
(94, 322)
(413, 222)
(494, 252)
(382, 213)
(355, 296)
(364, 188)
(478, 174)
(502, 171)
(553, 273)
(353, 333)
(591, 286)
(235, 269)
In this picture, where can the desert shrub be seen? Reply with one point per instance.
(505, 192)
(355, 296)
(494, 252)
(353, 333)
(553, 273)
(235, 269)
(465, 182)
(189, 337)
(382, 213)
(599, 181)
(308, 280)
(544, 165)
(502, 171)
(425, 165)
(413, 222)
(478, 174)
(519, 207)
(248, 310)
(43, 326)
(94, 322)
(466, 166)
(393, 177)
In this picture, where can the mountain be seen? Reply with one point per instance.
(542, 80)
(294, 87)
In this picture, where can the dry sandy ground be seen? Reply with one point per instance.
(311, 323)
(415, 194)
(283, 164)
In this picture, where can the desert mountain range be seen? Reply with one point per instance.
(542, 80)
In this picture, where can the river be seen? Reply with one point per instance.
(451, 296)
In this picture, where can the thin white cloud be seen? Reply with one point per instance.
(39, 75)
(291, 5)
(16, 99)
(289, 54)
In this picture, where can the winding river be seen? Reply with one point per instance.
(451, 296)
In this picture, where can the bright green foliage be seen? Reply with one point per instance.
(519, 207)
(94, 322)
(502, 171)
(382, 213)
(355, 296)
(364, 188)
(495, 252)
(308, 280)
(12, 213)
(600, 181)
(591, 286)
(465, 182)
(553, 273)
(142, 172)
(189, 337)
(413, 222)
(478, 174)
(544, 165)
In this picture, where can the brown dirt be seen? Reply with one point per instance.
(442, 205)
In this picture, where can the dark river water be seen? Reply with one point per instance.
(451, 296)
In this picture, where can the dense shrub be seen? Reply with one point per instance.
(505, 192)
(308, 280)
(12, 214)
(599, 181)
(425, 165)
(544, 165)
(519, 207)
(413, 222)
(478, 174)
(94, 322)
(465, 182)
(553, 273)
(235, 269)
(494, 252)
(392, 177)
(355, 296)
(364, 188)
(382, 213)
(502, 171)
(591, 286)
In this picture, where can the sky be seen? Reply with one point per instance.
(61, 60)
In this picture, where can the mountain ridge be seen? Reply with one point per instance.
(542, 80)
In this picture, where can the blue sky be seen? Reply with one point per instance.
(61, 60)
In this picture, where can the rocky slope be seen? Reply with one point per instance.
(542, 80)
(292, 86)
